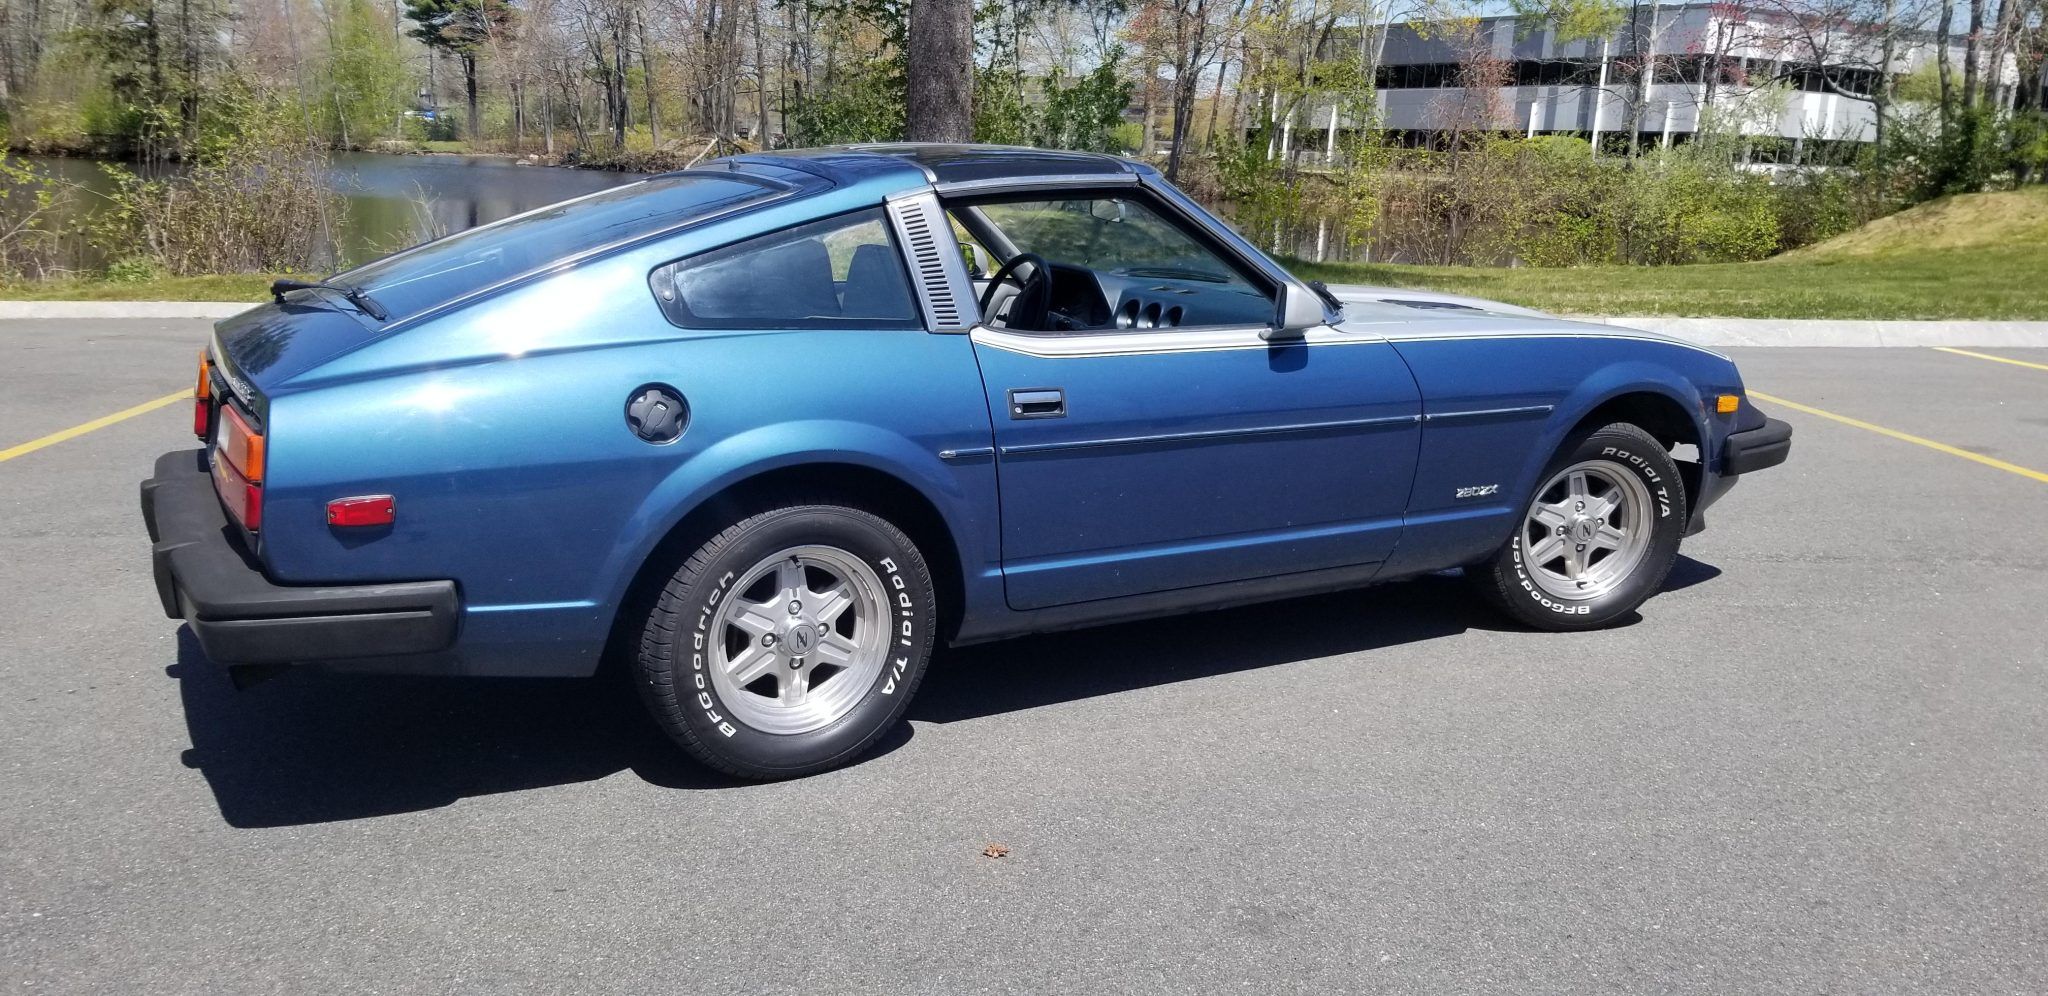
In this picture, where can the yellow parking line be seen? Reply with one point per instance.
(2012, 468)
(99, 423)
(1994, 359)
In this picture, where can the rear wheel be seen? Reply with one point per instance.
(1597, 537)
(790, 642)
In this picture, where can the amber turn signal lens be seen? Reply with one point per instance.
(1727, 403)
(241, 445)
(202, 395)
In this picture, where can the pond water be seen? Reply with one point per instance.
(396, 201)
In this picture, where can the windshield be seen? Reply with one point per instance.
(1111, 235)
(440, 271)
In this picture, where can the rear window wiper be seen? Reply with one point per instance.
(355, 295)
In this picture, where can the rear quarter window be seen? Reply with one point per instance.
(843, 272)
(437, 272)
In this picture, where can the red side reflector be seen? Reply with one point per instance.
(366, 510)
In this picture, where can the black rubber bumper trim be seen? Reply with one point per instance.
(1756, 449)
(204, 576)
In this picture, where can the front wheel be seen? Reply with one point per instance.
(790, 642)
(1596, 539)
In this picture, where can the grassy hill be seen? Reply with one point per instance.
(1968, 223)
(1973, 256)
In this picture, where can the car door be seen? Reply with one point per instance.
(1171, 446)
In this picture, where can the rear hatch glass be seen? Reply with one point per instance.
(437, 272)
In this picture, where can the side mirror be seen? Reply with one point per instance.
(1298, 310)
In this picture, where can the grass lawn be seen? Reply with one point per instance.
(1979, 256)
(228, 287)
(2008, 284)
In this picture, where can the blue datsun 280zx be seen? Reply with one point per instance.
(769, 428)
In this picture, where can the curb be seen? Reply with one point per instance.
(16, 310)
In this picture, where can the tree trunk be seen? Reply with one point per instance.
(188, 98)
(1186, 81)
(621, 111)
(761, 137)
(941, 59)
(518, 117)
(474, 127)
(1881, 94)
(1646, 77)
(647, 79)
(1972, 50)
(1943, 70)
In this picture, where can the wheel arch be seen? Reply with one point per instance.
(1657, 409)
(830, 478)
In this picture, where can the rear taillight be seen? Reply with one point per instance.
(238, 468)
(202, 398)
(243, 498)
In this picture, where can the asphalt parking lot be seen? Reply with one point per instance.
(1818, 763)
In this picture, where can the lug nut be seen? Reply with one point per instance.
(795, 608)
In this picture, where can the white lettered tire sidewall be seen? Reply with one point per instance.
(673, 656)
(1628, 449)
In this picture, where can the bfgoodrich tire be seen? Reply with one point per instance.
(1597, 537)
(790, 642)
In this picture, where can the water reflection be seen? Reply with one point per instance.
(391, 201)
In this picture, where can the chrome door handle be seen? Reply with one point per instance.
(1037, 402)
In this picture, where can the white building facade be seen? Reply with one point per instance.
(1799, 86)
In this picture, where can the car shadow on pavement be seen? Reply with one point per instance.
(317, 748)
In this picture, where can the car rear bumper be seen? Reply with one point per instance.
(205, 577)
(1757, 449)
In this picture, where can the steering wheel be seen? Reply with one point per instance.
(1034, 293)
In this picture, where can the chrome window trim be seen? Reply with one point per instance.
(1067, 345)
(1483, 413)
(566, 263)
(1026, 184)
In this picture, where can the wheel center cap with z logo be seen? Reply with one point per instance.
(803, 638)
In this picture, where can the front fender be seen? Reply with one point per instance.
(1615, 380)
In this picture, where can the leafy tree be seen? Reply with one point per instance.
(460, 28)
(367, 80)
